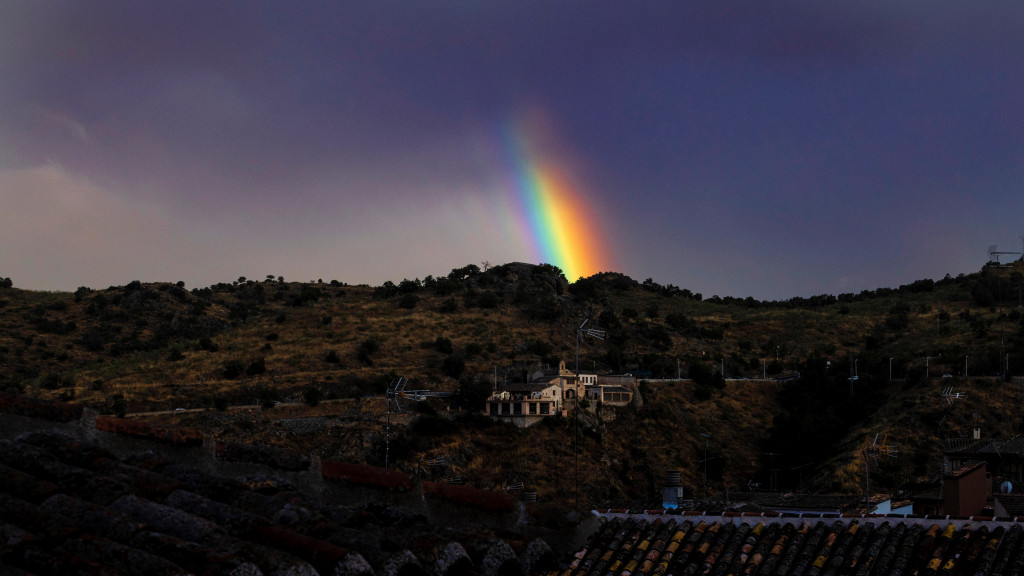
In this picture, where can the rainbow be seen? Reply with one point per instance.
(561, 224)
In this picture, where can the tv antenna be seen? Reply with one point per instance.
(950, 396)
(512, 487)
(447, 467)
(395, 395)
(581, 333)
(994, 252)
(872, 450)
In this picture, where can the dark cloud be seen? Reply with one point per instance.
(808, 129)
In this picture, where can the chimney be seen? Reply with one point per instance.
(673, 491)
(977, 433)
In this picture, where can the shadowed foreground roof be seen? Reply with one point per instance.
(645, 545)
(88, 494)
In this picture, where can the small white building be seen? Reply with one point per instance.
(525, 404)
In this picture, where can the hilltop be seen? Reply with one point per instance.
(229, 353)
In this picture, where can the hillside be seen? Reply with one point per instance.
(235, 349)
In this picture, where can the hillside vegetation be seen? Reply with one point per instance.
(786, 416)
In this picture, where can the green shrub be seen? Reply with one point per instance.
(453, 366)
(443, 345)
(233, 369)
(256, 367)
(366, 349)
(427, 425)
(313, 394)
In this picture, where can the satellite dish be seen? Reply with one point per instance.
(1006, 487)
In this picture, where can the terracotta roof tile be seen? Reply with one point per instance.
(40, 409)
(72, 479)
(77, 502)
(280, 458)
(467, 495)
(364, 475)
(138, 429)
(26, 486)
(630, 545)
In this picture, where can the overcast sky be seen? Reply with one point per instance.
(740, 149)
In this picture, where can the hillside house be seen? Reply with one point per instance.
(572, 386)
(613, 389)
(616, 389)
(551, 391)
(612, 395)
(525, 404)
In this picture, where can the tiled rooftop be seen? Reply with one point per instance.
(684, 545)
(88, 494)
(985, 446)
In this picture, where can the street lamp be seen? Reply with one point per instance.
(890, 369)
(966, 356)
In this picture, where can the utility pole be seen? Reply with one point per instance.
(706, 438)
(581, 332)
(774, 470)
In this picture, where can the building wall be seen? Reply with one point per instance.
(966, 494)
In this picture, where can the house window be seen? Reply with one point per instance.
(607, 396)
(494, 408)
(506, 408)
(533, 407)
(518, 407)
(544, 408)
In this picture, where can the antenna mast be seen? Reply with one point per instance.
(580, 333)
(994, 252)
(396, 392)
(872, 450)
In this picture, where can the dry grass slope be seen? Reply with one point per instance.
(328, 350)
